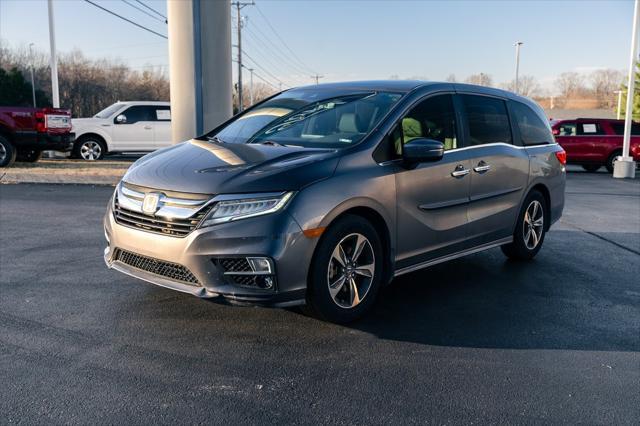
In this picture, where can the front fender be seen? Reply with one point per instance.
(106, 136)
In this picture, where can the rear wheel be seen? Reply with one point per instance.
(7, 152)
(530, 229)
(346, 271)
(89, 148)
(29, 156)
(591, 168)
(612, 159)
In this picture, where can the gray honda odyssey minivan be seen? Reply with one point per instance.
(320, 195)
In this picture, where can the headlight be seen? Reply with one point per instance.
(242, 208)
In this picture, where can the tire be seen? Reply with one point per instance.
(30, 156)
(89, 148)
(591, 168)
(611, 160)
(340, 303)
(529, 233)
(7, 152)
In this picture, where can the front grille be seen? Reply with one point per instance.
(172, 271)
(171, 227)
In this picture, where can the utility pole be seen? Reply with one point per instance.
(625, 167)
(317, 77)
(251, 86)
(239, 6)
(517, 45)
(33, 84)
(54, 59)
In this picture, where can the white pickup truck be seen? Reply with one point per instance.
(135, 126)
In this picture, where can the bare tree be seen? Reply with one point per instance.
(604, 83)
(570, 84)
(451, 78)
(481, 79)
(527, 86)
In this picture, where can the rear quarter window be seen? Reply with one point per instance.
(618, 128)
(533, 131)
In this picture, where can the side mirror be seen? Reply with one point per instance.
(121, 119)
(421, 150)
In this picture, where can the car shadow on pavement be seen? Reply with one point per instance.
(564, 299)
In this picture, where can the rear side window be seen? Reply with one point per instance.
(533, 131)
(590, 129)
(487, 120)
(568, 129)
(618, 128)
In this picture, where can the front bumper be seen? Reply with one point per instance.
(44, 141)
(276, 236)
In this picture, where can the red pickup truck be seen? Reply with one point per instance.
(26, 132)
(593, 143)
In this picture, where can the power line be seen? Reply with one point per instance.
(153, 10)
(125, 19)
(282, 41)
(282, 55)
(263, 69)
(145, 12)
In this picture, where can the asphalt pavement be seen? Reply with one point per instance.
(477, 340)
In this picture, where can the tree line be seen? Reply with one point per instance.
(87, 85)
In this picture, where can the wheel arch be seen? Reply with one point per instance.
(377, 219)
(542, 188)
(96, 135)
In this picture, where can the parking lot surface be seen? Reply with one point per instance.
(479, 339)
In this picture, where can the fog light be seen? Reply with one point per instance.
(260, 265)
(265, 282)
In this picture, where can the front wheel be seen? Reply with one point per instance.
(89, 149)
(346, 271)
(530, 229)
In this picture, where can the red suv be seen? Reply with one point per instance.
(593, 143)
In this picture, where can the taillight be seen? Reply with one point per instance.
(41, 126)
(555, 132)
(561, 156)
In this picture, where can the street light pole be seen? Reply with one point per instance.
(54, 60)
(33, 84)
(619, 110)
(517, 45)
(625, 167)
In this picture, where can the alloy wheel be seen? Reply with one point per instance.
(533, 224)
(90, 150)
(351, 270)
(3, 153)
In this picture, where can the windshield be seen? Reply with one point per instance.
(108, 111)
(298, 118)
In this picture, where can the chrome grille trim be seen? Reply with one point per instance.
(170, 270)
(176, 217)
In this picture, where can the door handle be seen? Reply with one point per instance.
(460, 171)
(148, 127)
(482, 167)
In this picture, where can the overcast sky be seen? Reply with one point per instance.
(355, 40)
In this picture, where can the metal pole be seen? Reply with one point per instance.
(518, 44)
(619, 110)
(33, 84)
(625, 167)
(251, 87)
(240, 106)
(54, 60)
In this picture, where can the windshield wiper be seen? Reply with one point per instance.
(215, 139)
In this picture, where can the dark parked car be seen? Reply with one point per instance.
(320, 195)
(26, 132)
(593, 143)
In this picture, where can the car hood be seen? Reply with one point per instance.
(206, 167)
